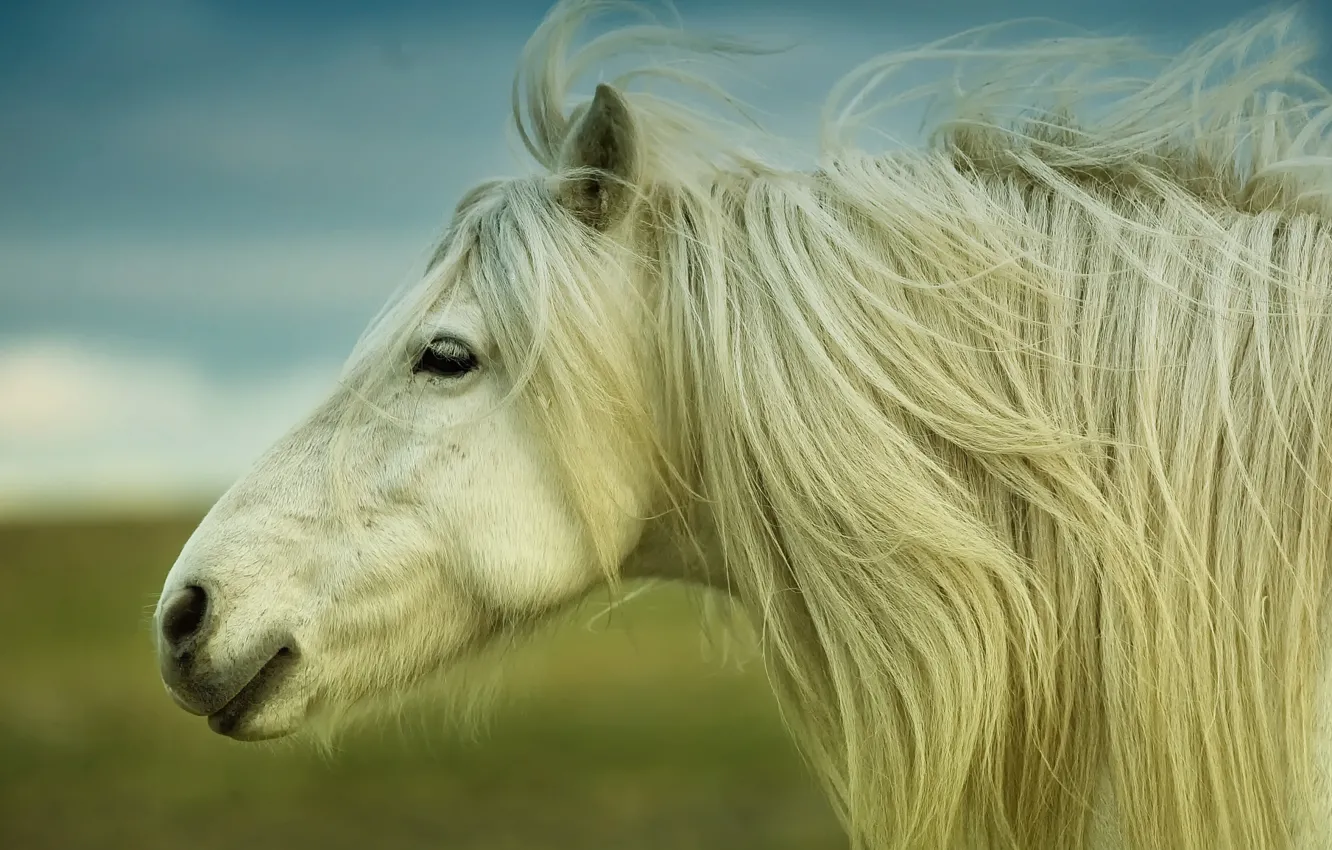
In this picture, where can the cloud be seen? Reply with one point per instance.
(204, 203)
(185, 289)
(258, 273)
(96, 422)
(257, 195)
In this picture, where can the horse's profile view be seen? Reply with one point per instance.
(1009, 444)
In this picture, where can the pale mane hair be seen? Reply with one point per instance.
(1011, 443)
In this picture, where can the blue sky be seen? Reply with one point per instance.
(202, 203)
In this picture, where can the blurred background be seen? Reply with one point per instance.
(201, 205)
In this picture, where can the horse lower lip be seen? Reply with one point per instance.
(227, 719)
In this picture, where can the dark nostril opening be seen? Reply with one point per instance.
(184, 615)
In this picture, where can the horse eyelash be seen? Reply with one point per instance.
(446, 348)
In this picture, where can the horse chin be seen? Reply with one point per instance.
(250, 731)
(265, 709)
(262, 722)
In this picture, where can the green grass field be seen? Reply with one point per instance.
(618, 732)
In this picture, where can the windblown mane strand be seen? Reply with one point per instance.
(1012, 444)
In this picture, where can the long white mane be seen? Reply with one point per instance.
(1012, 444)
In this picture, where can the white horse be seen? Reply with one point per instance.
(1011, 447)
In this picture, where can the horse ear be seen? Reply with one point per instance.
(602, 151)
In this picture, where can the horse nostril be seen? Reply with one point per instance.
(183, 615)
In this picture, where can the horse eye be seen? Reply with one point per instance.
(447, 358)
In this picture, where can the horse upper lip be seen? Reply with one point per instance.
(195, 708)
(201, 693)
